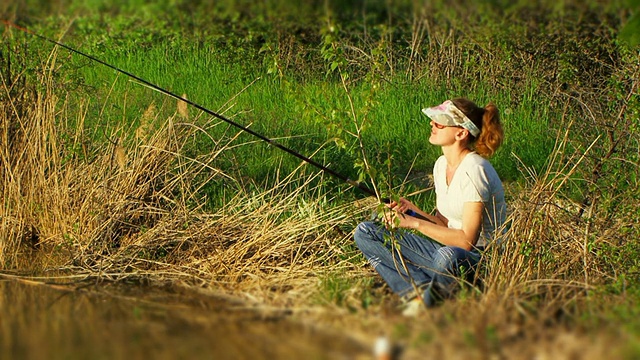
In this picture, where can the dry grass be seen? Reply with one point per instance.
(131, 209)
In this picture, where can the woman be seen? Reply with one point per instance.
(470, 210)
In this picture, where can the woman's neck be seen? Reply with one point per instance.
(455, 154)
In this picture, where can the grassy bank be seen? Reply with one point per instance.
(106, 179)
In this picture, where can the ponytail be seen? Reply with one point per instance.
(488, 121)
(491, 136)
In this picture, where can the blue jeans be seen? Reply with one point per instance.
(435, 269)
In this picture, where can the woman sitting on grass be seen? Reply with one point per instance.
(470, 209)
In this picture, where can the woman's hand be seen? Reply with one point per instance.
(396, 219)
(403, 206)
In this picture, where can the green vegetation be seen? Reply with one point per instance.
(109, 179)
(290, 91)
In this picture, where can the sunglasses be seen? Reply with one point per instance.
(440, 126)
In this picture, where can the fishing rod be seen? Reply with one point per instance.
(306, 159)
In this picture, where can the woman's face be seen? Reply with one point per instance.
(442, 135)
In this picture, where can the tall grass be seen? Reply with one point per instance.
(133, 209)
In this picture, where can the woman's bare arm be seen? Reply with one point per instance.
(464, 238)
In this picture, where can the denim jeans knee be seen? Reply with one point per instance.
(451, 266)
(453, 261)
(365, 233)
(371, 239)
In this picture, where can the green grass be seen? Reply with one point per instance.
(295, 111)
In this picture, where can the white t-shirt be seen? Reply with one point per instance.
(475, 180)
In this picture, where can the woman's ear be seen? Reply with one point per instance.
(461, 134)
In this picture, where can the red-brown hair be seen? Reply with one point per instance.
(487, 119)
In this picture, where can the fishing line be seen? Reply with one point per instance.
(308, 160)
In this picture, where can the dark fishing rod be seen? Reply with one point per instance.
(308, 160)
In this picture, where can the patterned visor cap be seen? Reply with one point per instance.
(448, 114)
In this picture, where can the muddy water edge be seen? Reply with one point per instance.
(46, 321)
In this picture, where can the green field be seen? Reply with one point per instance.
(100, 169)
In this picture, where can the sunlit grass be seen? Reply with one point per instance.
(298, 114)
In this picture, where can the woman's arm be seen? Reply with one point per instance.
(464, 238)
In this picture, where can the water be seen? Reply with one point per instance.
(134, 322)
